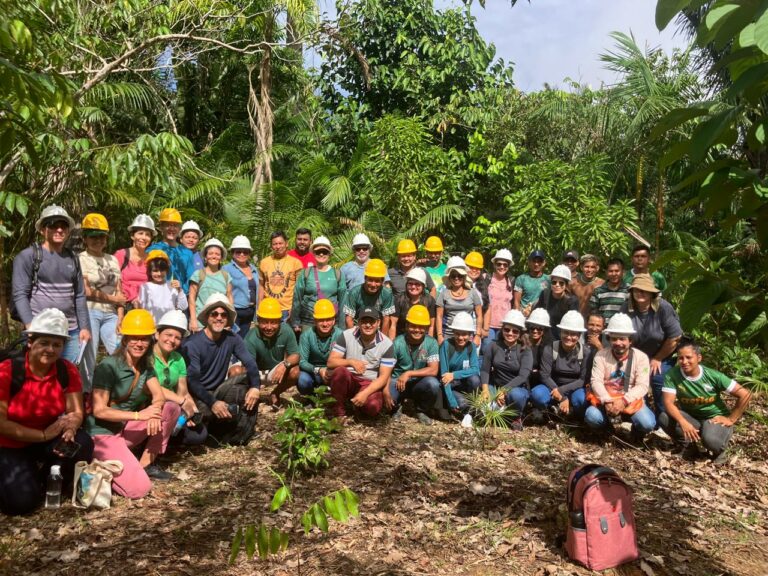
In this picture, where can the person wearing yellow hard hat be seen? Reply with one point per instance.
(315, 347)
(273, 345)
(373, 293)
(415, 294)
(160, 295)
(182, 258)
(406, 261)
(417, 366)
(211, 279)
(354, 270)
(129, 409)
(318, 282)
(278, 274)
(480, 280)
(103, 291)
(433, 264)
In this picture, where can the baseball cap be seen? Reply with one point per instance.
(367, 312)
(568, 254)
(537, 254)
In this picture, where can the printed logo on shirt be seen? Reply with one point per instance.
(465, 365)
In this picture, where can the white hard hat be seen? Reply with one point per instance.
(455, 262)
(540, 317)
(240, 243)
(561, 271)
(51, 322)
(463, 321)
(572, 321)
(323, 241)
(53, 212)
(191, 226)
(143, 221)
(515, 318)
(361, 240)
(213, 242)
(174, 319)
(620, 324)
(503, 254)
(418, 274)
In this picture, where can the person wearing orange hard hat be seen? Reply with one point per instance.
(182, 258)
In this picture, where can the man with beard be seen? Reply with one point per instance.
(302, 252)
(278, 274)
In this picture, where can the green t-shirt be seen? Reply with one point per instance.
(357, 297)
(114, 375)
(269, 353)
(409, 357)
(314, 351)
(305, 293)
(699, 397)
(212, 284)
(531, 288)
(168, 375)
(436, 273)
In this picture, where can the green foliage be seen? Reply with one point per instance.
(489, 415)
(339, 505)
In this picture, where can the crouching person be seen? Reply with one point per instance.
(129, 409)
(620, 381)
(315, 347)
(694, 408)
(362, 360)
(417, 365)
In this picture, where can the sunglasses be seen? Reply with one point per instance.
(322, 252)
(57, 224)
(510, 330)
(455, 276)
(502, 265)
(361, 248)
(218, 314)
(559, 282)
(241, 251)
(536, 329)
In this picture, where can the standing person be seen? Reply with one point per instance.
(47, 275)
(694, 409)
(608, 298)
(415, 294)
(584, 283)
(657, 330)
(557, 299)
(303, 252)
(182, 258)
(45, 411)
(101, 280)
(417, 364)
(279, 273)
(160, 295)
(129, 409)
(190, 237)
(641, 262)
(354, 271)
(538, 338)
(434, 266)
(406, 262)
(211, 279)
(244, 279)
(362, 360)
(507, 364)
(571, 260)
(371, 294)
(319, 282)
(315, 347)
(528, 287)
(457, 296)
(480, 280)
(501, 295)
(132, 260)
(459, 363)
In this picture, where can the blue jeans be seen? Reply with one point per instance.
(285, 316)
(657, 381)
(456, 391)
(72, 347)
(308, 382)
(103, 326)
(643, 421)
(516, 398)
(541, 397)
(424, 392)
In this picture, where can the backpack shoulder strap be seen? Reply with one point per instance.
(62, 374)
(555, 350)
(18, 373)
(580, 354)
(126, 258)
(37, 258)
(338, 275)
(201, 276)
(226, 275)
(628, 372)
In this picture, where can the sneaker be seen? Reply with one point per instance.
(423, 419)
(156, 473)
(720, 459)
(466, 422)
(537, 416)
(517, 425)
(397, 414)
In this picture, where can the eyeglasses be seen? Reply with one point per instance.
(241, 251)
(57, 224)
(218, 314)
(510, 330)
(502, 264)
(536, 329)
(361, 248)
(322, 252)
(455, 276)
(559, 283)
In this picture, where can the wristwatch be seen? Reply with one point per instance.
(317, 370)
(287, 364)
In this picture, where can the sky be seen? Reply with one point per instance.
(550, 40)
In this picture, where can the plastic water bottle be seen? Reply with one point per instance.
(53, 488)
(180, 423)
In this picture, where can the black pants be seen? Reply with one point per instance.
(24, 471)
(244, 319)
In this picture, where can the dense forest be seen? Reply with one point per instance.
(410, 126)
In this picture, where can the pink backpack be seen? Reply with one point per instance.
(601, 527)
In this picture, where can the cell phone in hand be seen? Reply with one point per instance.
(66, 449)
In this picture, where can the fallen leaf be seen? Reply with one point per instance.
(646, 568)
(479, 489)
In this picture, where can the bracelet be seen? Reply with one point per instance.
(135, 415)
(44, 438)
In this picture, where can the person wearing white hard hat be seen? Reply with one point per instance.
(321, 281)
(501, 296)
(132, 260)
(244, 278)
(415, 293)
(459, 364)
(278, 273)
(457, 296)
(354, 270)
(190, 237)
(537, 326)
(48, 275)
(211, 279)
(303, 250)
(563, 370)
(557, 299)
(42, 400)
(620, 381)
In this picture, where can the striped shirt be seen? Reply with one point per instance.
(379, 353)
(606, 301)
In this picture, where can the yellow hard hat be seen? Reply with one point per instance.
(138, 322)
(324, 310)
(376, 268)
(474, 259)
(157, 255)
(406, 247)
(170, 215)
(95, 221)
(269, 309)
(433, 244)
(418, 315)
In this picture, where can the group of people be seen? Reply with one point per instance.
(191, 341)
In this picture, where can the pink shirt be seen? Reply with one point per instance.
(133, 276)
(306, 260)
(501, 300)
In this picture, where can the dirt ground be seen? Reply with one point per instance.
(433, 500)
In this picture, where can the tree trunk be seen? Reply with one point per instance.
(261, 118)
